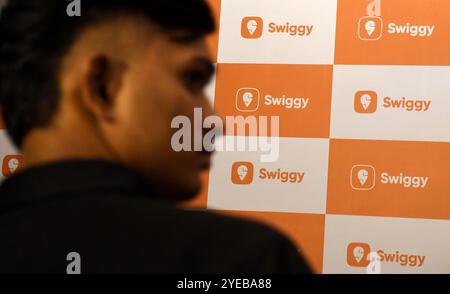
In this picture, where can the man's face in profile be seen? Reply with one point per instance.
(166, 81)
(161, 75)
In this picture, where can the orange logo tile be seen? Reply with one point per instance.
(401, 32)
(300, 95)
(389, 178)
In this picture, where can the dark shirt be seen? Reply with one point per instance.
(110, 216)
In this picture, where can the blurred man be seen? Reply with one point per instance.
(89, 101)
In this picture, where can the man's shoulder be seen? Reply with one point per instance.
(141, 234)
(194, 226)
(141, 209)
(233, 243)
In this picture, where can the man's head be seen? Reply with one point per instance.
(106, 84)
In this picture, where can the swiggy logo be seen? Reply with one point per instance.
(247, 99)
(11, 164)
(370, 27)
(362, 177)
(252, 27)
(358, 253)
(366, 101)
(243, 173)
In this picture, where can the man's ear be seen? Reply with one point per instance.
(103, 82)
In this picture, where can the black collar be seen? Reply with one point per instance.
(67, 177)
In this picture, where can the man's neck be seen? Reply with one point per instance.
(45, 146)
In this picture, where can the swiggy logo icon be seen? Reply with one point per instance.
(242, 173)
(252, 27)
(362, 177)
(370, 28)
(11, 164)
(357, 254)
(247, 99)
(366, 101)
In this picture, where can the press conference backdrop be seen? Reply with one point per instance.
(362, 90)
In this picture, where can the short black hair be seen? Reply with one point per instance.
(36, 34)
